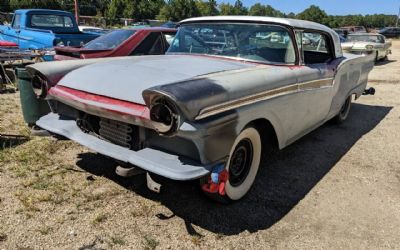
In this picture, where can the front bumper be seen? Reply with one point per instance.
(168, 165)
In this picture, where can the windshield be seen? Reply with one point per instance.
(51, 21)
(110, 40)
(364, 38)
(258, 42)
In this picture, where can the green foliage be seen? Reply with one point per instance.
(234, 10)
(207, 8)
(264, 10)
(313, 13)
(176, 10)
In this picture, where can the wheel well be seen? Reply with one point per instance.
(267, 133)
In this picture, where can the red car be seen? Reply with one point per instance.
(121, 42)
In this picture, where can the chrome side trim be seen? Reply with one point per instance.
(262, 96)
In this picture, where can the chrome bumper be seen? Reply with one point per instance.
(155, 161)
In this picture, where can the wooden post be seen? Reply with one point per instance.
(76, 12)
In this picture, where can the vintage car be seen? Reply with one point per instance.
(208, 109)
(43, 29)
(367, 43)
(390, 32)
(121, 42)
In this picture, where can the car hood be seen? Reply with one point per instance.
(126, 78)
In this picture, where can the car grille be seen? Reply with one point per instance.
(119, 133)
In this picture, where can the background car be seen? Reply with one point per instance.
(121, 42)
(390, 32)
(93, 30)
(367, 43)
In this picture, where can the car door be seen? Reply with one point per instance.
(12, 33)
(315, 77)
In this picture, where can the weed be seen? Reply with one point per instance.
(150, 243)
(117, 240)
(99, 218)
(44, 230)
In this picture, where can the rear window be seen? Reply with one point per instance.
(51, 21)
(110, 40)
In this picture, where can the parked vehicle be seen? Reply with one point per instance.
(368, 43)
(206, 110)
(354, 29)
(38, 29)
(92, 30)
(169, 24)
(390, 32)
(123, 42)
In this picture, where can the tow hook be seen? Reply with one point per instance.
(216, 181)
(370, 91)
(152, 185)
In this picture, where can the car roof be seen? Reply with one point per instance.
(295, 23)
(25, 11)
(153, 29)
(284, 21)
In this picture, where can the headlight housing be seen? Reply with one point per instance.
(369, 47)
(165, 116)
(40, 86)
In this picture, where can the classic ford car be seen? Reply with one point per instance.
(208, 108)
(366, 43)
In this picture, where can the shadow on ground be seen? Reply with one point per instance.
(382, 63)
(282, 182)
(10, 141)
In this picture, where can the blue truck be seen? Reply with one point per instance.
(42, 29)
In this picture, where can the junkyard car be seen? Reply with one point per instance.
(208, 108)
(123, 42)
(366, 43)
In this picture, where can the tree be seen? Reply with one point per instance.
(239, 9)
(264, 10)
(176, 10)
(5, 6)
(38, 4)
(207, 8)
(313, 13)
(226, 9)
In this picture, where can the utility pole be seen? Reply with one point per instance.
(76, 12)
(398, 17)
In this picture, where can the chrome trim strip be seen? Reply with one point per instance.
(262, 96)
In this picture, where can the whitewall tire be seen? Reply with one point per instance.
(243, 163)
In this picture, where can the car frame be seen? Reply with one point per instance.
(209, 108)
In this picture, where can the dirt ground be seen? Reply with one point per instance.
(338, 187)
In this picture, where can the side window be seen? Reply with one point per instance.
(316, 48)
(151, 45)
(16, 22)
(168, 38)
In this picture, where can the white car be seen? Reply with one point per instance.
(367, 43)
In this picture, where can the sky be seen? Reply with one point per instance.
(332, 7)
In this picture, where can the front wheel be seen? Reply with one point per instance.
(344, 111)
(242, 166)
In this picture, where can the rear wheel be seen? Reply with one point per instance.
(344, 111)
